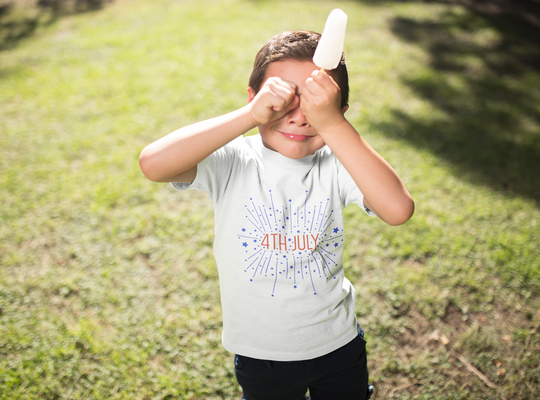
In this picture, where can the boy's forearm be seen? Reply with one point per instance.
(383, 190)
(183, 149)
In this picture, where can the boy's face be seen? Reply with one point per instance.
(292, 136)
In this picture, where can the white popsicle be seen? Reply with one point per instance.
(330, 48)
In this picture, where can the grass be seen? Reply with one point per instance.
(108, 288)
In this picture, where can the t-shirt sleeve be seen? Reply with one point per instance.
(181, 186)
(214, 172)
(349, 191)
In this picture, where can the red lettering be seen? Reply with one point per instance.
(315, 240)
(274, 240)
(303, 243)
(284, 242)
(300, 242)
(265, 241)
(309, 248)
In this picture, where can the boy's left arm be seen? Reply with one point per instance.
(384, 192)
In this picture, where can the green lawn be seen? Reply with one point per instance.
(108, 286)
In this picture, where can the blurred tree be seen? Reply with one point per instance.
(20, 18)
(528, 10)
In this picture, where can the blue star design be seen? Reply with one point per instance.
(245, 244)
(336, 230)
(335, 245)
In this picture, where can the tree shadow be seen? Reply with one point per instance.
(487, 86)
(20, 21)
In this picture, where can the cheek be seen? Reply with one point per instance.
(264, 131)
(268, 137)
(269, 130)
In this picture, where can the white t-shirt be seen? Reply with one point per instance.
(279, 237)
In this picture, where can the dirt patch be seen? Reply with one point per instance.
(452, 348)
(454, 317)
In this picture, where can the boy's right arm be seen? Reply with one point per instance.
(174, 157)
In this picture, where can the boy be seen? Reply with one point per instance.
(288, 310)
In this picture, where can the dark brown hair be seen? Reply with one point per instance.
(295, 45)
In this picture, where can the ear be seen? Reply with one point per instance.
(344, 109)
(251, 94)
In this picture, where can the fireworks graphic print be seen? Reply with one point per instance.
(294, 243)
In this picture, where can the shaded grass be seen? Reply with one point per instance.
(108, 287)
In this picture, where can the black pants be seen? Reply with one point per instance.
(341, 374)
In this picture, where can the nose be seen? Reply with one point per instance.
(296, 117)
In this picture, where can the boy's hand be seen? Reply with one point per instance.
(275, 99)
(320, 102)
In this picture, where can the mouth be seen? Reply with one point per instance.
(295, 137)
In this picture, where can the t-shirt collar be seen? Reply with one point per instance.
(274, 156)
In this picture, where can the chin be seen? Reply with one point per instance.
(296, 156)
(295, 153)
(292, 149)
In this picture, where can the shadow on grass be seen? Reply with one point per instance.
(484, 75)
(19, 19)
